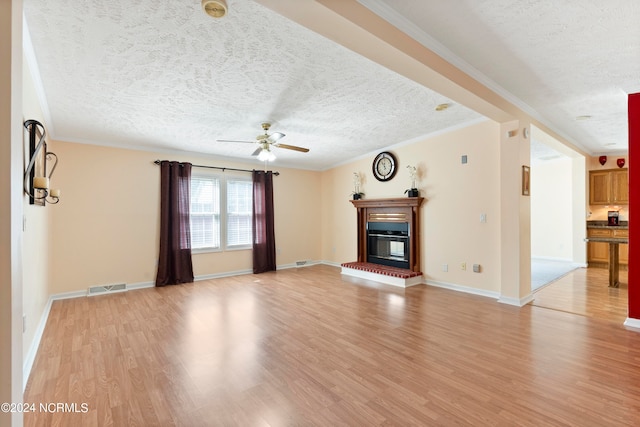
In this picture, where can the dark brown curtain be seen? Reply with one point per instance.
(174, 263)
(264, 241)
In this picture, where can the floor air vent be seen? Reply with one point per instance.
(105, 289)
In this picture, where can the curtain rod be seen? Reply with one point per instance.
(157, 162)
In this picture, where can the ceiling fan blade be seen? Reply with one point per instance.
(292, 147)
(276, 136)
(258, 150)
(231, 140)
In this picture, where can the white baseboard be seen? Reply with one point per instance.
(632, 323)
(465, 289)
(141, 285)
(307, 263)
(518, 302)
(331, 263)
(35, 344)
(219, 275)
(550, 258)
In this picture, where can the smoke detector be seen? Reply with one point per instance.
(215, 8)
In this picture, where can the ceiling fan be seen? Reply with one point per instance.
(265, 141)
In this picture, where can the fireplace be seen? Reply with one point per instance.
(388, 243)
(389, 232)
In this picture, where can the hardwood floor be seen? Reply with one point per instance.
(305, 347)
(585, 291)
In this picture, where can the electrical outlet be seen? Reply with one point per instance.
(445, 267)
(463, 266)
(483, 217)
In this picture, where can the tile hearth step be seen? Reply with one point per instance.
(382, 273)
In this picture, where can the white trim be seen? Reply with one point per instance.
(515, 301)
(219, 275)
(307, 263)
(331, 263)
(550, 258)
(632, 323)
(35, 344)
(465, 289)
(141, 285)
(68, 295)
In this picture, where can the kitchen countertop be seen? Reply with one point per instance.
(623, 240)
(624, 225)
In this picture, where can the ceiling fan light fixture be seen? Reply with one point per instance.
(215, 8)
(266, 156)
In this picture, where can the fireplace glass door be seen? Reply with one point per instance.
(388, 243)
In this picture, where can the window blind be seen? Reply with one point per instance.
(205, 212)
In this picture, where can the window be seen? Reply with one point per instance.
(221, 212)
(239, 213)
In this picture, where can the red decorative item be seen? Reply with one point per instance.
(620, 163)
(603, 160)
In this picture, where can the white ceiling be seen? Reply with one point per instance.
(162, 75)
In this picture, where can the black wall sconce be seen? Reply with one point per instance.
(36, 180)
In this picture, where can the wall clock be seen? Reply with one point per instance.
(384, 166)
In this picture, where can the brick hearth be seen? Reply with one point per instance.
(382, 273)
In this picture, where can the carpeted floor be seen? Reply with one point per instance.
(545, 271)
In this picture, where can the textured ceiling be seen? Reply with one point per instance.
(557, 59)
(162, 75)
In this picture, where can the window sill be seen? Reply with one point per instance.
(214, 250)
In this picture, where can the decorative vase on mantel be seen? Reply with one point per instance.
(413, 174)
(412, 192)
(356, 193)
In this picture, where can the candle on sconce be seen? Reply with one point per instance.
(41, 182)
(55, 192)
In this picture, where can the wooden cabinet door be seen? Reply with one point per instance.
(620, 186)
(598, 251)
(599, 187)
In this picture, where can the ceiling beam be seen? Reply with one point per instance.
(352, 25)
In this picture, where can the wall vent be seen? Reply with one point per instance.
(300, 263)
(106, 289)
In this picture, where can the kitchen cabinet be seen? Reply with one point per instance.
(609, 187)
(598, 252)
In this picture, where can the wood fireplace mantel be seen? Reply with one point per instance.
(406, 210)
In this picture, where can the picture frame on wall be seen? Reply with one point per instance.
(526, 180)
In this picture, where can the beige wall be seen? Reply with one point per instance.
(105, 229)
(456, 195)
(552, 209)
